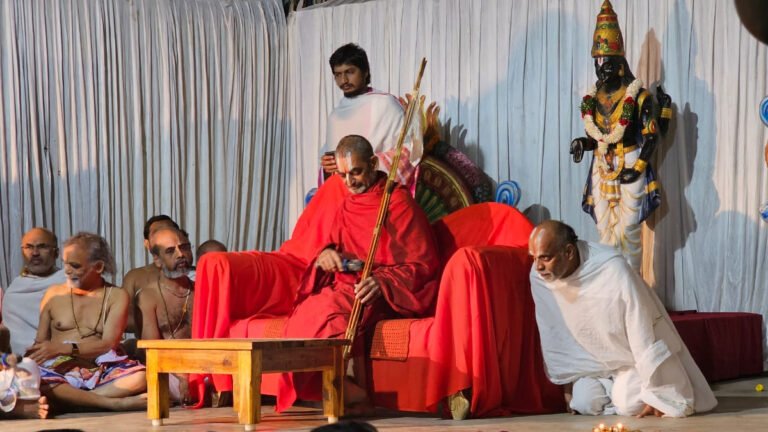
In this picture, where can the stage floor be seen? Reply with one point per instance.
(740, 407)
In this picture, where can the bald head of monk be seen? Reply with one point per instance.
(356, 163)
(39, 248)
(552, 246)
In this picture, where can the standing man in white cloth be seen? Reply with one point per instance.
(606, 335)
(21, 302)
(373, 114)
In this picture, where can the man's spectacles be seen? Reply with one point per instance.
(42, 247)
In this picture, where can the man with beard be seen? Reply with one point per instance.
(142, 277)
(21, 300)
(402, 283)
(605, 334)
(375, 115)
(166, 304)
(78, 340)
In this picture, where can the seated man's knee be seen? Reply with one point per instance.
(590, 397)
(626, 393)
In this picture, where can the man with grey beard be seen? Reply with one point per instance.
(166, 304)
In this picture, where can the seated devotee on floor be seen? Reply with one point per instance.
(606, 335)
(210, 246)
(20, 389)
(81, 323)
(402, 282)
(141, 277)
(21, 300)
(166, 304)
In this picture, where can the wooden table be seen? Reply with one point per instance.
(246, 360)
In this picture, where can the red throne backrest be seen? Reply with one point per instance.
(486, 224)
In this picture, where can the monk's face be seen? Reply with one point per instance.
(81, 272)
(350, 79)
(39, 250)
(358, 174)
(550, 259)
(174, 253)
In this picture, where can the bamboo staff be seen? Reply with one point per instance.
(357, 307)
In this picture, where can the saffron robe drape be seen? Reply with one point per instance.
(231, 286)
(406, 263)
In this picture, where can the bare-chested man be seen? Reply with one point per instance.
(81, 323)
(166, 304)
(141, 277)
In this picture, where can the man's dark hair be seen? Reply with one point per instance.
(352, 54)
(346, 426)
(157, 218)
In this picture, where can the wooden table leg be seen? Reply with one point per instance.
(333, 387)
(235, 394)
(158, 404)
(249, 388)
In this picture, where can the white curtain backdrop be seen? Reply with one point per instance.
(509, 76)
(113, 111)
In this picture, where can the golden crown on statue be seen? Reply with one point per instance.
(607, 40)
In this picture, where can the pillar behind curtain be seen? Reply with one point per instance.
(113, 111)
(509, 76)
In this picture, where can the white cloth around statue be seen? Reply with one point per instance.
(603, 322)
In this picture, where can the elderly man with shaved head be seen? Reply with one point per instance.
(605, 334)
(21, 300)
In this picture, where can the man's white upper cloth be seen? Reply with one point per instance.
(21, 307)
(378, 117)
(603, 321)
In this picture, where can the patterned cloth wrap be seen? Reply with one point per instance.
(88, 374)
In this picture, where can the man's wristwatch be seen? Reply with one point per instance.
(75, 350)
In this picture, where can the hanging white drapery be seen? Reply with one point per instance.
(509, 76)
(113, 111)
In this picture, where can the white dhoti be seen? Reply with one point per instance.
(605, 331)
(618, 208)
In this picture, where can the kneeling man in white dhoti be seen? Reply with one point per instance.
(606, 335)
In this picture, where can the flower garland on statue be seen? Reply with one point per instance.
(588, 105)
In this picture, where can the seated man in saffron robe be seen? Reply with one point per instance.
(402, 283)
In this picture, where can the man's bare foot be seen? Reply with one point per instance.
(130, 403)
(31, 409)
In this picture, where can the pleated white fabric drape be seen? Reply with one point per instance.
(510, 75)
(112, 111)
